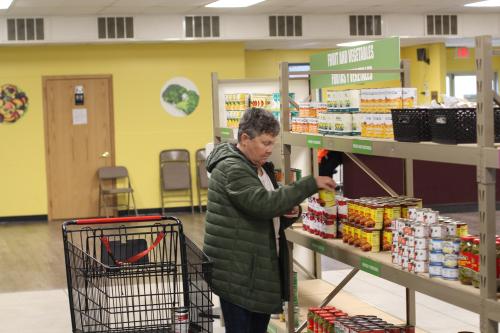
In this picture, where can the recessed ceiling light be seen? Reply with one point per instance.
(486, 3)
(233, 3)
(4, 4)
(356, 43)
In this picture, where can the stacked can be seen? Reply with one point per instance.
(342, 215)
(320, 219)
(438, 232)
(368, 324)
(411, 240)
(321, 320)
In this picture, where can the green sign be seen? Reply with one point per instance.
(370, 266)
(226, 132)
(317, 246)
(314, 141)
(271, 329)
(380, 54)
(362, 147)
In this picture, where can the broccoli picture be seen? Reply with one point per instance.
(173, 93)
(181, 98)
(189, 102)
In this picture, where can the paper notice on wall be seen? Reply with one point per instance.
(80, 117)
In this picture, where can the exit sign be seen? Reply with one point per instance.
(462, 53)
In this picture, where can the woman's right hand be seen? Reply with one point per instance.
(325, 183)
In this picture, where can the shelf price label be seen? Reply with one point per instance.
(314, 141)
(317, 246)
(370, 266)
(362, 147)
(226, 133)
(271, 329)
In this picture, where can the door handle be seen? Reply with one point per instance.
(106, 154)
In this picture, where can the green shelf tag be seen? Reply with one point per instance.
(362, 147)
(317, 246)
(370, 266)
(271, 329)
(314, 141)
(226, 133)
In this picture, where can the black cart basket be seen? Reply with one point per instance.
(136, 274)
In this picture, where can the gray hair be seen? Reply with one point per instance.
(257, 121)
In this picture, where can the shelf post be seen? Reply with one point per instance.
(411, 313)
(215, 106)
(290, 324)
(486, 178)
(285, 121)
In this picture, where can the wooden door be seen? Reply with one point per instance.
(79, 139)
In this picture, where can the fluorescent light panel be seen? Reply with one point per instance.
(486, 3)
(356, 43)
(233, 3)
(4, 4)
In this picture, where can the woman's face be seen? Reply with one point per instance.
(259, 149)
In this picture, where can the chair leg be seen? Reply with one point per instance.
(133, 201)
(99, 204)
(199, 200)
(192, 203)
(162, 202)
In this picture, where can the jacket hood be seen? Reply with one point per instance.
(221, 152)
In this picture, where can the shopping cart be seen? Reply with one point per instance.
(142, 276)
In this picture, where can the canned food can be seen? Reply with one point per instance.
(421, 230)
(410, 240)
(450, 261)
(421, 255)
(435, 270)
(421, 266)
(431, 216)
(421, 243)
(328, 197)
(451, 228)
(438, 230)
(420, 214)
(462, 229)
(181, 320)
(450, 273)
(436, 245)
(436, 258)
(412, 213)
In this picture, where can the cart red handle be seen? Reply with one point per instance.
(106, 220)
(134, 258)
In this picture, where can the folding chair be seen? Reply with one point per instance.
(110, 189)
(175, 176)
(201, 174)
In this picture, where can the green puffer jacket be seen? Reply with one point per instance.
(239, 233)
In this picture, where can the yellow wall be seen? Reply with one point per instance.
(142, 127)
(265, 63)
(427, 77)
(460, 66)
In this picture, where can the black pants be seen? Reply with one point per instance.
(240, 320)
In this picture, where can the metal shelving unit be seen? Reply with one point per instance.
(484, 155)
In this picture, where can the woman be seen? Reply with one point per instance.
(246, 217)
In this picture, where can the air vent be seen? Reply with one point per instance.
(115, 27)
(201, 26)
(25, 29)
(285, 26)
(365, 25)
(442, 25)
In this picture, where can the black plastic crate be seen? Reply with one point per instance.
(458, 125)
(411, 125)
